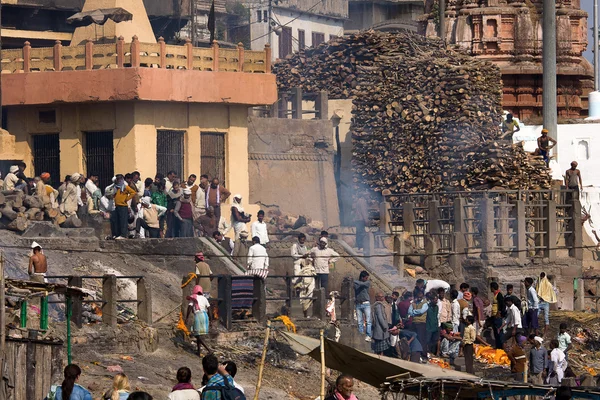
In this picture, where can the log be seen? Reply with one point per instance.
(59, 219)
(8, 212)
(39, 216)
(72, 222)
(2, 199)
(19, 224)
(32, 213)
(33, 202)
(51, 212)
(15, 199)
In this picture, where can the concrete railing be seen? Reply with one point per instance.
(93, 56)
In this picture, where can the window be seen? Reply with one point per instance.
(47, 116)
(285, 42)
(266, 16)
(169, 151)
(301, 39)
(46, 157)
(212, 155)
(259, 16)
(99, 156)
(583, 150)
(317, 38)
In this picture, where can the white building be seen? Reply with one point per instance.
(295, 24)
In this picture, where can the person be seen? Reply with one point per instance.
(184, 390)
(259, 228)
(185, 214)
(201, 195)
(361, 220)
(148, 183)
(199, 306)
(69, 389)
(224, 242)
(498, 313)
(363, 304)
(512, 322)
(107, 206)
(404, 306)
(258, 259)
(547, 296)
(203, 272)
(38, 264)
(171, 179)
(449, 343)
(191, 184)
(218, 378)
(455, 310)
(381, 323)
(240, 249)
(464, 287)
(159, 197)
(531, 317)
(231, 369)
(395, 313)
(478, 310)
(563, 393)
(306, 285)
(445, 306)
(518, 359)
(216, 194)
(469, 338)
(119, 217)
(69, 200)
(344, 386)
(207, 223)
(323, 258)
(300, 253)
(431, 284)
(139, 396)
(239, 218)
(418, 312)
(509, 127)
(92, 191)
(573, 181)
(545, 143)
(538, 360)
(559, 362)
(137, 183)
(510, 293)
(564, 339)
(11, 179)
(414, 346)
(432, 324)
(120, 389)
(173, 196)
(149, 218)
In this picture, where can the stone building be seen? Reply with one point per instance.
(295, 24)
(383, 15)
(129, 105)
(509, 34)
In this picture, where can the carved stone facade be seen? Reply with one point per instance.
(509, 34)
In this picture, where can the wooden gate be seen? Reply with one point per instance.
(169, 152)
(99, 156)
(212, 159)
(46, 157)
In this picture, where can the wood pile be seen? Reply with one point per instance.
(17, 209)
(425, 118)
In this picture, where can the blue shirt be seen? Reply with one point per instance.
(79, 393)
(215, 380)
(415, 345)
(413, 312)
(532, 298)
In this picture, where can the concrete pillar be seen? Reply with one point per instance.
(384, 217)
(71, 149)
(224, 293)
(144, 297)
(296, 103)
(399, 250)
(579, 295)
(521, 231)
(369, 244)
(504, 238)
(77, 304)
(109, 300)
(431, 250)
(550, 228)
(322, 105)
(319, 304)
(408, 216)
(459, 214)
(575, 241)
(549, 67)
(486, 207)
(457, 253)
(259, 307)
(347, 306)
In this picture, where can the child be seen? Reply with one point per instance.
(450, 343)
(469, 338)
(564, 339)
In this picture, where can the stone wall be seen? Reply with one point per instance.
(291, 165)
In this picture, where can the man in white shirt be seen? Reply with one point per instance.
(259, 228)
(455, 310)
(258, 259)
(107, 204)
(559, 362)
(139, 184)
(513, 318)
(323, 257)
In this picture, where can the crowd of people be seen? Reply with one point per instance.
(434, 320)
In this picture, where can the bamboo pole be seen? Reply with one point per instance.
(262, 360)
(322, 365)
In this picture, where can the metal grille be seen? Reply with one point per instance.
(46, 156)
(212, 160)
(99, 156)
(169, 152)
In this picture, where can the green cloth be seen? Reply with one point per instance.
(159, 198)
(431, 322)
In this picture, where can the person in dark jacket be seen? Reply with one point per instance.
(381, 322)
(498, 313)
(363, 304)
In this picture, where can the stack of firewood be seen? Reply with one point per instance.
(425, 118)
(17, 209)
